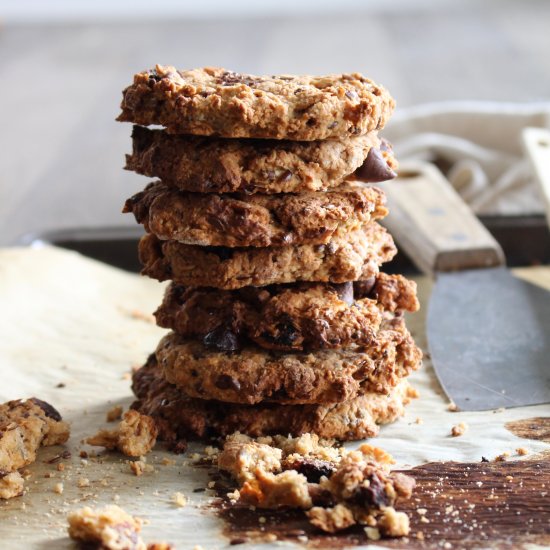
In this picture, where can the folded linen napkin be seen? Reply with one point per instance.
(478, 144)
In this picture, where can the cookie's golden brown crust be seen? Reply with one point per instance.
(214, 165)
(252, 375)
(179, 417)
(217, 102)
(239, 220)
(287, 317)
(354, 256)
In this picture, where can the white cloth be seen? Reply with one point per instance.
(481, 143)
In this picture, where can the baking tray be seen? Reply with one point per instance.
(524, 239)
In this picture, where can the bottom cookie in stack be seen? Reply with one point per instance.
(180, 417)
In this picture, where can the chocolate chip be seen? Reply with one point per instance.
(285, 334)
(285, 176)
(221, 339)
(229, 78)
(345, 292)
(373, 495)
(313, 468)
(364, 288)
(226, 382)
(375, 168)
(49, 411)
(154, 76)
(332, 125)
(352, 94)
(221, 252)
(330, 248)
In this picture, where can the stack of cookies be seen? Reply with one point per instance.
(280, 319)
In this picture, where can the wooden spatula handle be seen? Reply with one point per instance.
(536, 142)
(433, 225)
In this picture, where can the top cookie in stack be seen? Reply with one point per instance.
(281, 320)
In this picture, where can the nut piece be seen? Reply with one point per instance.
(135, 436)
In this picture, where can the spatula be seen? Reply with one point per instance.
(488, 331)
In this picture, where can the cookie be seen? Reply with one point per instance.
(24, 427)
(286, 317)
(180, 417)
(350, 257)
(239, 220)
(217, 102)
(213, 165)
(252, 374)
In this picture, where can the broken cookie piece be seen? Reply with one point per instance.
(336, 488)
(25, 426)
(135, 435)
(109, 528)
(11, 485)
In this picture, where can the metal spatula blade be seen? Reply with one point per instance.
(489, 330)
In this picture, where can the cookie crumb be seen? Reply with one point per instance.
(58, 488)
(135, 436)
(83, 482)
(11, 485)
(372, 533)
(179, 499)
(502, 457)
(452, 407)
(114, 414)
(459, 429)
(522, 451)
(393, 523)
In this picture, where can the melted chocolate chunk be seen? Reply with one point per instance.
(49, 411)
(373, 495)
(226, 382)
(363, 289)
(375, 168)
(313, 468)
(286, 334)
(221, 339)
(345, 292)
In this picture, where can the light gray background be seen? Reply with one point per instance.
(63, 65)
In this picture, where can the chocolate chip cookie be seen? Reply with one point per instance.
(253, 374)
(257, 220)
(213, 165)
(286, 317)
(25, 426)
(179, 416)
(217, 102)
(356, 255)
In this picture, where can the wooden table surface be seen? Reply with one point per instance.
(62, 152)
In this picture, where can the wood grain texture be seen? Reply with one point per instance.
(62, 152)
(454, 505)
(433, 225)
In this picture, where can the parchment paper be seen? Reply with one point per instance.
(69, 320)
